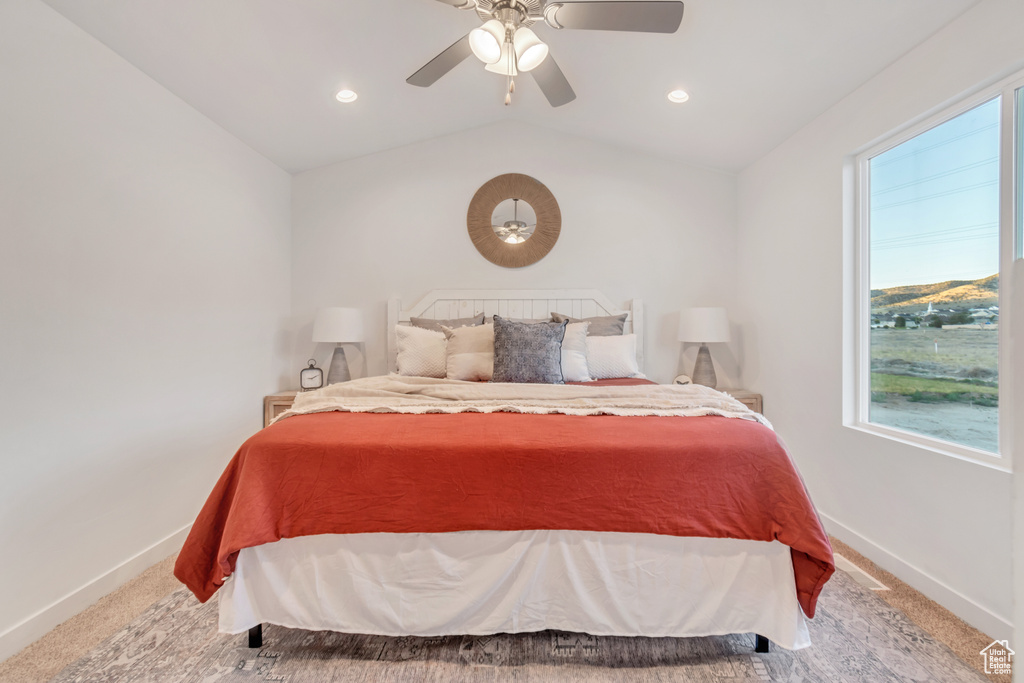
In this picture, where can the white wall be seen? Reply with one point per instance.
(144, 279)
(940, 523)
(394, 224)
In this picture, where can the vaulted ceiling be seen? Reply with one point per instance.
(268, 70)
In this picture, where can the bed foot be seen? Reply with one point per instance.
(760, 643)
(256, 636)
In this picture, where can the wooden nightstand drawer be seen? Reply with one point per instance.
(747, 398)
(275, 404)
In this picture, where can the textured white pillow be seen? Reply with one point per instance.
(609, 357)
(574, 353)
(421, 352)
(470, 352)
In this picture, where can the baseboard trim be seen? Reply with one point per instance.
(23, 634)
(976, 615)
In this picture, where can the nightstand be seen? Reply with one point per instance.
(747, 398)
(275, 404)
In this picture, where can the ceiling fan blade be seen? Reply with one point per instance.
(553, 83)
(648, 16)
(460, 4)
(441, 64)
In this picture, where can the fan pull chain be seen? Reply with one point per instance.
(511, 79)
(513, 63)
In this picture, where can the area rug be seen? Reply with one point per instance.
(857, 637)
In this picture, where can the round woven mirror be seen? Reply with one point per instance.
(494, 240)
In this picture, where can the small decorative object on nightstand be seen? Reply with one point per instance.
(311, 377)
(338, 326)
(704, 325)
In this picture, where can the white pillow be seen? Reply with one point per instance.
(470, 352)
(421, 352)
(574, 353)
(609, 357)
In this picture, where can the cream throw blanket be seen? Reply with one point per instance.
(398, 394)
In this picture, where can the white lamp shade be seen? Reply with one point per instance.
(336, 325)
(486, 41)
(530, 51)
(703, 325)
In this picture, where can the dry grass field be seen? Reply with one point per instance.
(957, 371)
(936, 353)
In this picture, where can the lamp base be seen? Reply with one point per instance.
(338, 371)
(704, 369)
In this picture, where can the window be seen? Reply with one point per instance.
(931, 239)
(1019, 170)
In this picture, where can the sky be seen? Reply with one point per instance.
(934, 212)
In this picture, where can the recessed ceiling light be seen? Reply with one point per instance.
(346, 96)
(678, 96)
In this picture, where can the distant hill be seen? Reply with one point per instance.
(949, 294)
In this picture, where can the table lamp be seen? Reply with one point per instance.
(704, 325)
(338, 326)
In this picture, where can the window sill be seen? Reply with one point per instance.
(974, 455)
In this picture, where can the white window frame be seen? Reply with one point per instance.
(857, 394)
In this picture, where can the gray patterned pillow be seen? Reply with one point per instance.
(600, 326)
(431, 324)
(528, 352)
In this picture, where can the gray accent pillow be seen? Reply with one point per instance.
(454, 323)
(600, 326)
(528, 352)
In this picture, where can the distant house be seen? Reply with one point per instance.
(882, 321)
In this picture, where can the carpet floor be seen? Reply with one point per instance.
(963, 639)
(856, 636)
(859, 635)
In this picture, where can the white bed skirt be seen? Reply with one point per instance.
(480, 582)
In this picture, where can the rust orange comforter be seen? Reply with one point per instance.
(340, 472)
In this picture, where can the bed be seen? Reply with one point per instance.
(404, 505)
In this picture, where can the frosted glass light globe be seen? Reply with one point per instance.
(530, 51)
(485, 41)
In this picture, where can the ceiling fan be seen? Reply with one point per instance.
(507, 46)
(514, 231)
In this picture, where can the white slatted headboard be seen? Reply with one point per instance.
(513, 303)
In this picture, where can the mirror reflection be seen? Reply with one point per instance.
(514, 221)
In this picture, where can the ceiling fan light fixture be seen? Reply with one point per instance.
(504, 66)
(530, 50)
(506, 47)
(486, 41)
